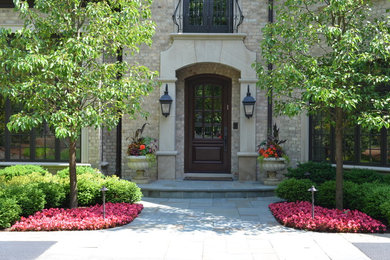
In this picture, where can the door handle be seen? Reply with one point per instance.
(225, 133)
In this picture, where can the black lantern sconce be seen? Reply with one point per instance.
(249, 104)
(166, 102)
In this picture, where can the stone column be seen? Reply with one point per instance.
(247, 155)
(166, 155)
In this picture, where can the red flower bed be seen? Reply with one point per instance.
(298, 215)
(90, 218)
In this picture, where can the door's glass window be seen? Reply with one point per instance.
(208, 112)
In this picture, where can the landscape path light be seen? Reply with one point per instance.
(103, 190)
(312, 189)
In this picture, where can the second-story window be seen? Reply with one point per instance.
(208, 16)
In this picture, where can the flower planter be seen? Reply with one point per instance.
(139, 164)
(271, 166)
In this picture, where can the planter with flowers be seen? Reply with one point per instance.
(272, 158)
(141, 155)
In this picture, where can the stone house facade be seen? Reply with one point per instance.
(207, 66)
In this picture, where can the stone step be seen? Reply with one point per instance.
(205, 189)
(209, 176)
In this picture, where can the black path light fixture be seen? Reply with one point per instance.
(312, 190)
(166, 102)
(249, 104)
(103, 190)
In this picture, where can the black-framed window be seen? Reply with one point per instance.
(208, 16)
(361, 146)
(38, 145)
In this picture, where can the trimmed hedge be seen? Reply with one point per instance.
(364, 190)
(314, 171)
(122, 190)
(374, 195)
(9, 212)
(21, 170)
(294, 190)
(326, 195)
(25, 189)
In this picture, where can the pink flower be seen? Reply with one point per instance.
(298, 215)
(90, 218)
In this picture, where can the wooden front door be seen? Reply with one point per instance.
(207, 140)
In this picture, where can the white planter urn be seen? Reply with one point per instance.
(271, 166)
(139, 164)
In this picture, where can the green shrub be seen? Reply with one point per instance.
(89, 184)
(122, 190)
(9, 212)
(386, 178)
(29, 197)
(80, 170)
(293, 190)
(55, 194)
(51, 185)
(317, 172)
(361, 176)
(385, 211)
(374, 195)
(21, 170)
(326, 195)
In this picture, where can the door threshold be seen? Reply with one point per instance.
(209, 176)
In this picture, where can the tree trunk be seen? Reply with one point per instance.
(339, 157)
(72, 174)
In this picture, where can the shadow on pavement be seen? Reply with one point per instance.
(25, 250)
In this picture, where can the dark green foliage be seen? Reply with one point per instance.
(21, 170)
(293, 190)
(317, 172)
(326, 195)
(9, 212)
(54, 194)
(386, 178)
(80, 170)
(29, 197)
(89, 186)
(51, 185)
(373, 196)
(361, 176)
(122, 190)
(385, 211)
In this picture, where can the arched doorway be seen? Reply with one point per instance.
(207, 124)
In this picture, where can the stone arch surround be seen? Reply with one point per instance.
(192, 54)
(198, 69)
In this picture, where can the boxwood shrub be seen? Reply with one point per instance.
(80, 170)
(326, 195)
(374, 195)
(293, 190)
(21, 170)
(29, 197)
(317, 172)
(361, 176)
(9, 212)
(122, 190)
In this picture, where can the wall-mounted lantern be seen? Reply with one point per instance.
(249, 104)
(166, 102)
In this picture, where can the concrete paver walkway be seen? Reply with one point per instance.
(191, 229)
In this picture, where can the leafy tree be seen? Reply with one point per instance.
(330, 57)
(54, 66)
